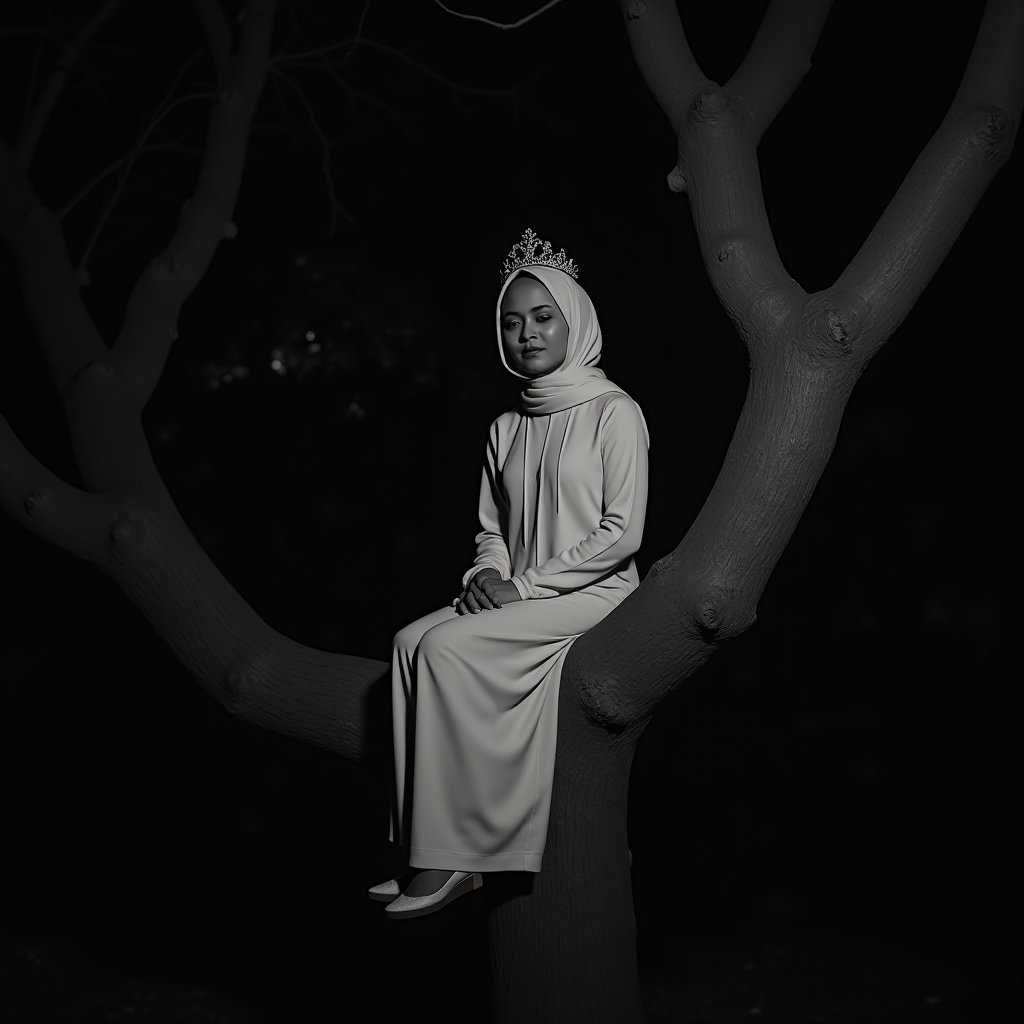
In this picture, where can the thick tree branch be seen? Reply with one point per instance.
(941, 190)
(133, 533)
(664, 58)
(49, 284)
(718, 168)
(807, 355)
(218, 37)
(28, 138)
(150, 323)
(44, 504)
(778, 59)
(128, 525)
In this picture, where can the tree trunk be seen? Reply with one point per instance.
(566, 952)
(563, 941)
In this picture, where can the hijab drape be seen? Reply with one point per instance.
(548, 401)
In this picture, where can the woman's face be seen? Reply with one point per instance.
(534, 334)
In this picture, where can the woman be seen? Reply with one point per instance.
(475, 684)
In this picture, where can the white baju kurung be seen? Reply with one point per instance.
(475, 697)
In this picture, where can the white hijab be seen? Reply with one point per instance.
(576, 381)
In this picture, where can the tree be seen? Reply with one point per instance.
(806, 353)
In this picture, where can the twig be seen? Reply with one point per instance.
(105, 216)
(499, 24)
(359, 32)
(115, 164)
(325, 163)
(415, 65)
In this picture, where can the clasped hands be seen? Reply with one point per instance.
(486, 589)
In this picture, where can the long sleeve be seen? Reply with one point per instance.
(491, 548)
(624, 507)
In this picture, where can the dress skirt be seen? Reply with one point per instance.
(475, 711)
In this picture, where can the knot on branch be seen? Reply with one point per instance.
(126, 529)
(228, 95)
(164, 265)
(833, 324)
(230, 229)
(36, 500)
(635, 9)
(989, 132)
(97, 371)
(709, 106)
(603, 705)
(676, 179)
(730, 247)
(241, 679)
(716, 615)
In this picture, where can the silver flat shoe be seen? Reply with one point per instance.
(386, 891)
(457, 885)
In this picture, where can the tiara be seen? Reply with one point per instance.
(528, 256)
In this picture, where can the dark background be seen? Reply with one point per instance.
(824, 822)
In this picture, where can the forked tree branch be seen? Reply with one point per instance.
(717, 162)
(778, 58)
(807, 351)
(126, 522)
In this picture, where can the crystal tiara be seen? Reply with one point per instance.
(524, 254)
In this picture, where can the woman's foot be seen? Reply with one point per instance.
(453, 885)
(425, 882)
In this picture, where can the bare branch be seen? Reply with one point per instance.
(415, 65)
(218, 36)
(44, 504)
(28, 138)
(359, 31)
(500, 24)
(114, 165)
(664, 58)
(779, 57)
(325, 149)
(135, 536)
(942, 188)
(811, 351)
(68, 336)
(150, 323)
(717, 166)
(83, 260)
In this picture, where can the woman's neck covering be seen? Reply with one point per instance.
(576, 381)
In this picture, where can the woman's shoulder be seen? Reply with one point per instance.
(616, 406)
(505, 423)
(620, 417)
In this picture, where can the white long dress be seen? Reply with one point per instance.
(475, 696)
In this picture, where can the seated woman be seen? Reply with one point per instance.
(475, 684)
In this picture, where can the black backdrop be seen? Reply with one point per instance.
(843, 778)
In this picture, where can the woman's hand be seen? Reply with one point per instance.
(486, 590)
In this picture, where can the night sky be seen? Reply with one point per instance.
(847, 773)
